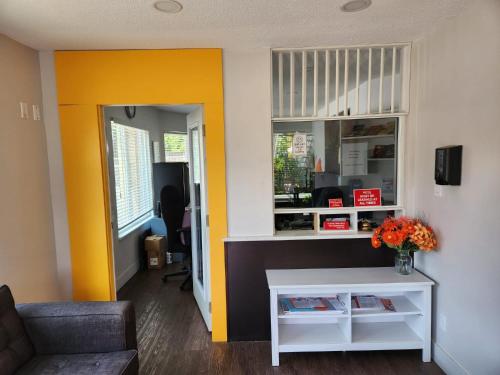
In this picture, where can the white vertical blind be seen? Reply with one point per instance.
(133, 176)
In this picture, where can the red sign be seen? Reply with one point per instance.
(336, 225)
(366, 197)
(335, 203)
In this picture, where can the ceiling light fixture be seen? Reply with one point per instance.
(355, 5)
(168, 6)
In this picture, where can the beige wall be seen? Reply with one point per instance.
(456, 100)
(27, 255)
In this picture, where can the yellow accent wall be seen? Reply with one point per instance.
(87, 80)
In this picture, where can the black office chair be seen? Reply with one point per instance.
(320, 196)
(178, 235)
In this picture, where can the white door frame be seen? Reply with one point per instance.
(201, 291)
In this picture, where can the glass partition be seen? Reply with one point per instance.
(317, 162)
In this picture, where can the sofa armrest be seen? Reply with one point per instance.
(82, 327)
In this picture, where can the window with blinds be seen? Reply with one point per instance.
(176, 147)
(133, 177)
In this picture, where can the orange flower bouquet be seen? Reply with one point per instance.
(405, 235)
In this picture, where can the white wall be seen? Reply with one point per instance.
(456, 100)
(27, 246)
(173, 122)
(156, 121)
(56, 173)
(247, 110)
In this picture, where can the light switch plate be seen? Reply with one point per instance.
(23, 111)
(36, 112)
(442, 323)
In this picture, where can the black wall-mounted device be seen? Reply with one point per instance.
(448, 165)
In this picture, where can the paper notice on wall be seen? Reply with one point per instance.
(299, 144)
(354, 159)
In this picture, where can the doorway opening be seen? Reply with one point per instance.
(158, 197)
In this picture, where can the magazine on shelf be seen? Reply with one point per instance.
(371, 303)
(312, 305)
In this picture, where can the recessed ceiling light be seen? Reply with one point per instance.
(355, 5)
(168, 6)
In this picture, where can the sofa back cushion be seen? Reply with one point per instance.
(15, 346)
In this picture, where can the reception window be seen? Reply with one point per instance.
(321, 163)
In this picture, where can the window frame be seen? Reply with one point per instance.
(399, 207)
(143, 217)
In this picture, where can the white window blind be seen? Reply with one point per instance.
(133, 176)
(176, 147)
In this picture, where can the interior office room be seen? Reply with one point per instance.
(146, 143)
(249, 187)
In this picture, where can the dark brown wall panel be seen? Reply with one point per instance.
(246, 262)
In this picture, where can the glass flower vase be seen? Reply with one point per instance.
(403, 262)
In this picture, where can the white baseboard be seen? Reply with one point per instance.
(447, 363)
(126, 275)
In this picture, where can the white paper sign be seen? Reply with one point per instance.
(354, 159)
(299, 144)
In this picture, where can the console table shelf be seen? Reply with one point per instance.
(409, 327)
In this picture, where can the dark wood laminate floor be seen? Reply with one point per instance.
(172, 339)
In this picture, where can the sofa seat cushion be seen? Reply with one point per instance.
(15, 346)
(123, 362)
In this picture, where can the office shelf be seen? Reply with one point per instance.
(311, 337)
(369, 136)
(402, 305)
(394, 334)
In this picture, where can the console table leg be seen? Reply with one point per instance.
(274, 328)
(426, 354)
(426, 351)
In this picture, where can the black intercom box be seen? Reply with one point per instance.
(448, 165)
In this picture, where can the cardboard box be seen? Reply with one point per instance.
(155, 246)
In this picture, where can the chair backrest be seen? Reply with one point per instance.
(172, 211)
(186, 224)
(320, 196)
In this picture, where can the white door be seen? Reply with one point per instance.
(199, 218)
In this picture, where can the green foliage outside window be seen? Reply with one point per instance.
(291, 172)
(175, 147)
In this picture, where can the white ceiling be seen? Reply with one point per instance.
(135, 24)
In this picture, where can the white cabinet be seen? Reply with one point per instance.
(408, 327)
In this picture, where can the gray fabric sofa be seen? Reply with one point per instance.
(67, 338)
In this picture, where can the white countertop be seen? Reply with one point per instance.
(342, 277)
(300, 235)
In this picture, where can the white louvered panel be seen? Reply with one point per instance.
(367, 83)
(327, 83)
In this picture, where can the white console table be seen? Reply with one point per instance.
(409, 327)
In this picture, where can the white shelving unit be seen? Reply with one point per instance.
(409, 327)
